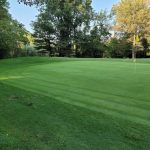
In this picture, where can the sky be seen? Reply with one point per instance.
(26, 14)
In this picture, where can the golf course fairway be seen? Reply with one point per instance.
(74, 104)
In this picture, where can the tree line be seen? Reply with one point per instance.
(73, 28)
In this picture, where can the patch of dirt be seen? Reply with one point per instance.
(14, 98)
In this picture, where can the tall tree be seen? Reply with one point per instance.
(133, 17)
(60, 20)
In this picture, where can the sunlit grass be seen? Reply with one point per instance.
(10, 77)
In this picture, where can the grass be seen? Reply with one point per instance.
(74, 104)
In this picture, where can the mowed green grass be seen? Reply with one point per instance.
(74, 104)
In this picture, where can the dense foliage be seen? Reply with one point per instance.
(12, 33)
(132, 17)
(73, 28)
(66, 27)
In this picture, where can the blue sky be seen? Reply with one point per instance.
(26, 14)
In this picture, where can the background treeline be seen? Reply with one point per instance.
(73, 28)
(67, 28)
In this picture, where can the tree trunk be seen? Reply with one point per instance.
(133, 55)
(134, 50)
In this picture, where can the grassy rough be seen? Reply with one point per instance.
(70, 104)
